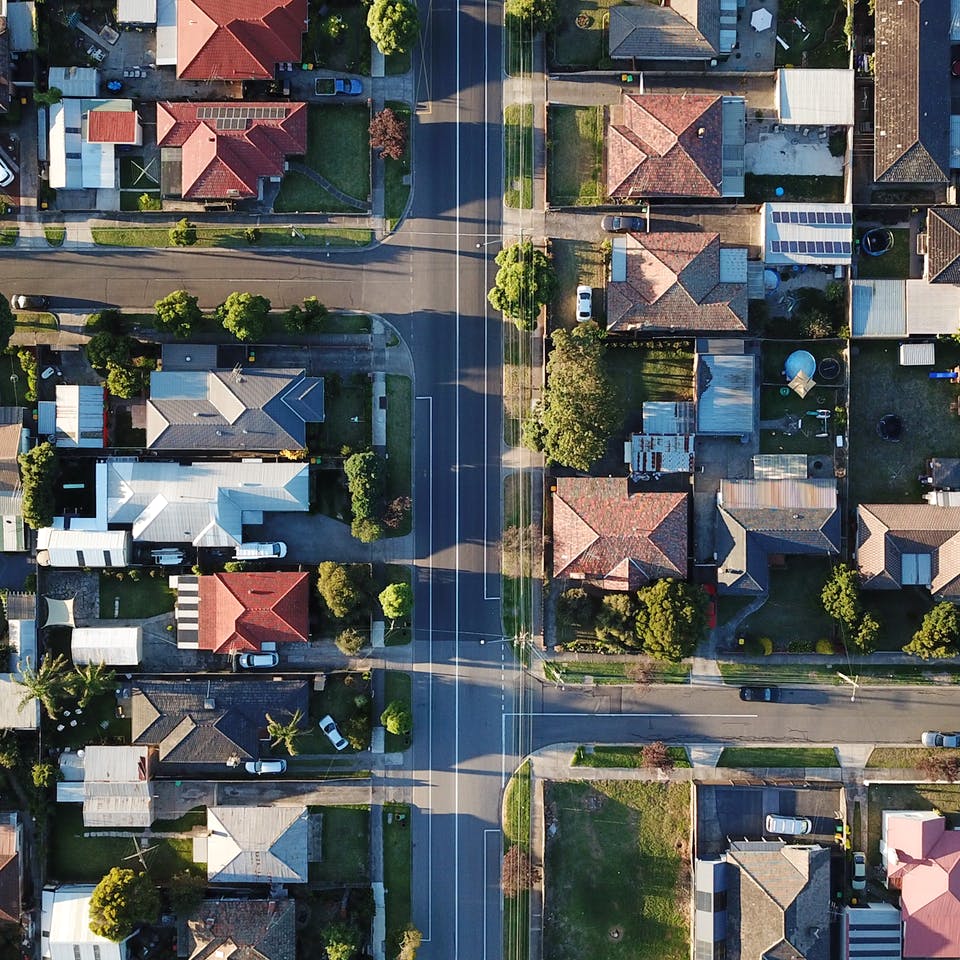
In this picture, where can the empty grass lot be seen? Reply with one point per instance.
(778, 757)
(894, 264)
(575, 163)
(518, 155)
(616, 868)
(346, 845)
(573, 46)
(882, 472)
(622, 756)
(944, 797)
(139, 599)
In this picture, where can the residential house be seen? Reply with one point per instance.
(674, 282)
(912, 92)
(112, 783)
(255, 844)
(941, 261)
(616, 538)
(65, 932)
(818, 234)
(198, 724)
(82, 546)
(243, 612)
(11, 868)
(672, 145)
(14, 440)
(238, 41)
(726, 391)
(252, 409)
(248, 929)
(206, 504)
(107, 643)
(762, 521)
(15, 712)
(909, 544)
(77, 419)
(921, 859)
(684, 30)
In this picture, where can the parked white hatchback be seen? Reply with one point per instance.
(329, 726)
(263, 768)
(584, 303)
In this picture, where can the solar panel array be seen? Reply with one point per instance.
(811, 246)
(815, 217)
(218, 112)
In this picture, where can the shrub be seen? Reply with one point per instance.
(183, 233)
(350, 642)
(766, 645)
(147, 202)
(824, 647)
(657, 755)
(517, 873)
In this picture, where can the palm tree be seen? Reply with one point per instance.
(91, 681)
(49, 683)
(286, 733)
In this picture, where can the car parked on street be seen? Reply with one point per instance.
(329, 726)
(584, 303)
(262, 768)
(20, 301)
(788, 826)
(760, 694)
(859, 881)
(258, 661)
(931, 738)
(618, 224)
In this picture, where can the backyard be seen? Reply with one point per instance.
(616, 870)
(575, 155)
(574, 45)
(884, 472)
(651, 370)
(134, 596)
(822, 43)
(760, 188)
(894, 264)
(345, 845)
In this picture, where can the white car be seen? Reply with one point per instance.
(262, 768)
(260, 551)
(859, 881)
(6, 175)
(931, 738)
(21, 301)
(329, 726)
(584, 303)
(788, 826)
(258, 661)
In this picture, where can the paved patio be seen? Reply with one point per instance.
(772, 151)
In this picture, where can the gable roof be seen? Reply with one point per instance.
(240, 611)
(226, 40)
(620, 540)
(257, 409)
(671, 281)
(943, 245)
(116, 786)
(887, 533)
(240, 930)
(911, 92)
(684, 30)
(225, 148)
(665, 145)
(257, 844)
(778, 901)
(11, 873)
(757, 518)
(208, 722)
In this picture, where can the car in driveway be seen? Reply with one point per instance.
(859, 880)
(258, 661)
(6, 174)
(760, 694)
(329, 726)
(263, 768)
(618, 224)
(932, 738)
(787, 826)
(584, 303)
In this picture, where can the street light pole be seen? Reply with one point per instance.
(854, 681)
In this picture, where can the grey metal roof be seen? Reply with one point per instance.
(726, 394)
(734, 114)
(879, 309)
(257, 844)
(648, 32)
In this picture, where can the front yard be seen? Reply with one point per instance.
(576, 262)
(573, 45)
(345, 845)
(575, 155)
(346, 698)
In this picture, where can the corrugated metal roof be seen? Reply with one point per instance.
(83, 548)
(257, 844)
(778, 494)
(74, 81)
(22, 24)
(66, 915)
(734, 137)
(879, 309)
(727, 394)
(136, 11)
(932, 308)
(918, 354)
(779, 466)
(815, 97)
(80, 413)
(13, 716)
(115, 646)
(668, 417)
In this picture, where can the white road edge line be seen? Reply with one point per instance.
(456, 564)
(675, 715)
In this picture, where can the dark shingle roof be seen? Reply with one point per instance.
(685, 30)
(943, 245)
(241, 929)
(912, 92)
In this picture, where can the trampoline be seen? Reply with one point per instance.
(800, 361)
(829, 368)
(890, 428)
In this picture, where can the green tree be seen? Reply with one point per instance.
(51, 682)
(366, 479)
(393, 25)
(8, 322)
(524, 283)
(9, 750)
(245, 315)
(105, 348)
(44, 775)
(350, 642)
(581, 407)
(124, 381)
(183, 233)
(338, 588)
(939, 634)
(186, 891)
(841, 598)
(397, 718)
(616, 620)
(90, 681)
(28, 364)
(674, 619)
(47, 98)
(366, 529)
(575, 607)
(286, 732)
(120, 901)
(537, 15)
(178, 313)
(39, 471)
(865, 637)
(410, 943)
(310, 318)
(396, 600)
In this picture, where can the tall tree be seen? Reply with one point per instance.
(535, 15)
(673, 619)
(51, 682)
(939, 634)
(39, 470)
(340, 592)
(177, 313)
(245, 315)
(366, 479)
(396, 599)
(393, 25)
(90, 681)
(286, 732)
(616, 621)
(8, 323)
(841, 597)
(524, 283)
(120, 901)
(340, 940)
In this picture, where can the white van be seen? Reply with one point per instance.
(260, 551)
(788, 826)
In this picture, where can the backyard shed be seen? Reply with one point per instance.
(83, 548)
(878, 308)
(918, 354)
(137, 11)
(815, 97)
(114, 646)
(65, 926)
(726, 394)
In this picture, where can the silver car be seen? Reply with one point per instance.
(931, 738)
(859, 881)
(788, 826)
(261, 768)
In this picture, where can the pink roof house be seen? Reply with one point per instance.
(922, 859)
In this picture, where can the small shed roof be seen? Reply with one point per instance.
(66, 927)
(726, 394)
(74, 81)
(918, 354)
(815, 97)
(879, 309)
(83, 548)
(80, 415)
(136, 11)
(22, 26)
(932, 308)
(115, 646)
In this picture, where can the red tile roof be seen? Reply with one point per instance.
(617, 539)
(217, 163)
(239, 611)
(113, 126)
(665, 145)
(231, 40)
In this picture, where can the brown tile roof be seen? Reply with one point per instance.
(665, 145)
(112, 126)
(673, 283)
(912, 91)
(219, 163)
(10, 874)
(620, 540)
(241, 930)
(943, 245)
(231, 40)
(239, 611)
(887, 531)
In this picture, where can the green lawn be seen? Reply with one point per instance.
(518, 46)
(904, 758)
(519, 556)
(348, 404)
(338, 148)
(778, 757)
(518, 155)
(944, 797)
(346, 845)
(396, 172)
(139, 599)
(822, 44)
(517, 390)
(575, 155)
(397, 866)
(516, 927)
(895, 263)
(773, 406)
(734, 672)
(617, 867)
(576, 262)
(197, 817)
(516, 808)
(397, 686)
(616, 671)
(882, 472)
(339, 699)
(762, 187)
(32, 322)
(399, 442)
(573, 46)
(622, 756)
(159, 236)
(649, 372)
